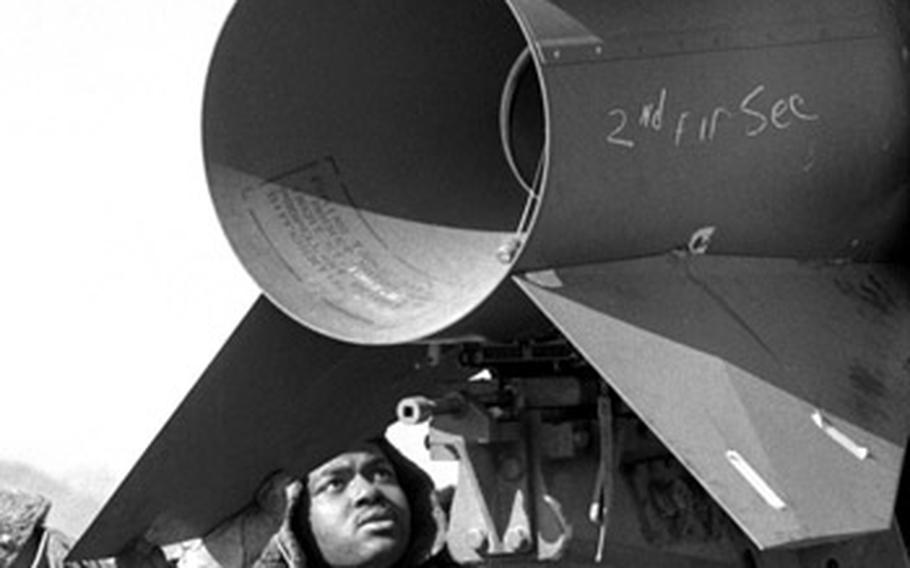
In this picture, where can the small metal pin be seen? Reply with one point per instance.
(859, 452)
(601, 542)
(755, 480)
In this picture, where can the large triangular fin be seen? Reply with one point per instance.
(276, 397)
(782, 385)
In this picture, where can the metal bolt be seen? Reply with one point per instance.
(517, 540)
(508, 250)
(477, 540)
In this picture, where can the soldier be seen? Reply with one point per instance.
(367, 507)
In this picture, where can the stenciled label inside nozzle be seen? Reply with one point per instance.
(327, 245)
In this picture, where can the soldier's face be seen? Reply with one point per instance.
(359, 514)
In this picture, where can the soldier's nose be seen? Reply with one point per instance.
(365, 492)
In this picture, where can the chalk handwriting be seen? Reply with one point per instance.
(755, 114)
(613, 137)
(652, 115)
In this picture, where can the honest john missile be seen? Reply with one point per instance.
(670, 236)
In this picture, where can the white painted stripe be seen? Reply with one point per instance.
(755, 480)
(859, 452)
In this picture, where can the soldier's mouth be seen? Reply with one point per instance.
(378, 518)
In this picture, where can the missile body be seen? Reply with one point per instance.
(359, 156)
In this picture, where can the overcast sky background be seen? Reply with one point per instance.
(117, 285)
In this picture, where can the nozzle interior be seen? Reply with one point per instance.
(355, 159)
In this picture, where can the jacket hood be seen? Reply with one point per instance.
(296, 549)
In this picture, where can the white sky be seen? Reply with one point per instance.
(117, 285)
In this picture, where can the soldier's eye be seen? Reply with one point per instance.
(384, 473)
(330, 485)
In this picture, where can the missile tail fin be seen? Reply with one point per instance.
(277, 397)
(781, 385)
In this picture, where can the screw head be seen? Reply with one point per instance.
(507, 252)
(477, 540)
(517, 540)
